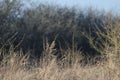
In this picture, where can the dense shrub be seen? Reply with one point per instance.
(52, 22)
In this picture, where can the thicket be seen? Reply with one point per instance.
(69, 27)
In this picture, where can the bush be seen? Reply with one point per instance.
(60, 24)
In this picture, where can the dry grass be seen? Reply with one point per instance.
(14, 65)
(52, 71)
(19, 67)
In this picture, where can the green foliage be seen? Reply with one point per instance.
(35, 24)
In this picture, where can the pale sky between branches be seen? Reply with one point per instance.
(107, 5)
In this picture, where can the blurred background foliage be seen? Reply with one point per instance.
(28, 28)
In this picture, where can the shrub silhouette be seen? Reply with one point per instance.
(53, 22)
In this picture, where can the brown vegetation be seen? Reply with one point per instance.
(48, 43)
